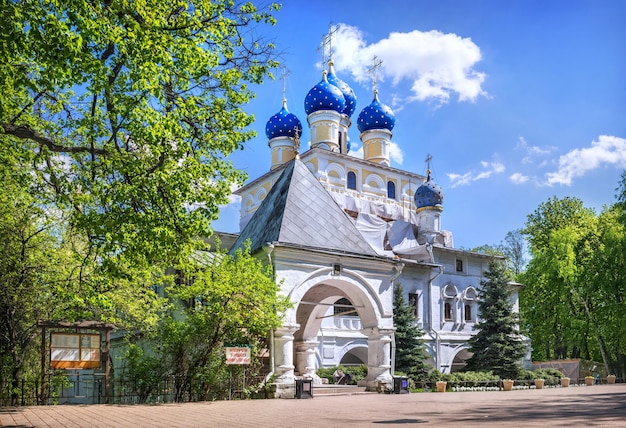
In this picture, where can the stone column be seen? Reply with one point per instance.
(283, 349)
(305, 360)
(378, 357)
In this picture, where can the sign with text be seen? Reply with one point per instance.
(237, 355)
(75, 351)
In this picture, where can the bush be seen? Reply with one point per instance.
(356, 372)
(551, 376)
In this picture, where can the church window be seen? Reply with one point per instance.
(351, 180)
(344, 307)
(459, 265)
(468, 313)
(447, 311)
(413, 303)
(391, 190)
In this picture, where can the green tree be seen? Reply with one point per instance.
(116, 119)
(410, 351)
(130, 110)
(514, 249)
(555, 304)
(226, 299)
(603, 278)
(29, 266)
(497, 346)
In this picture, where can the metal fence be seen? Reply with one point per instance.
(79, 388)
(90, 389)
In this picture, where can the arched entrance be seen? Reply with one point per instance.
(297, 342)
(356, 356)
(458, 362)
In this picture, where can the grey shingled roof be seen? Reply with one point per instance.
(298, 210)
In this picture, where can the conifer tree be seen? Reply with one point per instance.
(497, 346)
(410, 350)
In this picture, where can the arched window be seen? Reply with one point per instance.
(351, 180)
(345, 307)
(468, 313)
(391, 190)
(447, 311)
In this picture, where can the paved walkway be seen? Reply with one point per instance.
(592, 406)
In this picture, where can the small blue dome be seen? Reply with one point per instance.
(345, 89)
(376, 116)
(283, 124)
(428, 194)
(324, 96)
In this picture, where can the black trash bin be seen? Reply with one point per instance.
(304, 388)
(400, 385)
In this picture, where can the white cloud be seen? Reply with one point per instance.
(460, 180)
(518, 178)
(608, 150)
(395, 153)
(489, 168)
(355, 151)
(435, 64)
(532, 152)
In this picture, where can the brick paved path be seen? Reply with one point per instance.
(593, 406)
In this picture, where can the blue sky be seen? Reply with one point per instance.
(516, 101)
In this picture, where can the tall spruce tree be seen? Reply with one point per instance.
(497, 346)
(410, 350)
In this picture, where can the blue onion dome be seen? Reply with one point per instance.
(283, 124)
(324, 96)
(345, 89)
(376, 116)
(428, 194)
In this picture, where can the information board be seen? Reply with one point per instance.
(75, 351)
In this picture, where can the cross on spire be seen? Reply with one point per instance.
(283, 77)
(373, 70)
(327, 43)
(428, 159)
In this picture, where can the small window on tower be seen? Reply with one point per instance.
(351, 180)
(447, 311)
(391, 190)
(468, 313)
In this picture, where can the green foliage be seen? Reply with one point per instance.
(497, 345)
(357, 373)
(116, 122)
(142, 373)
(410, 350)
(221, 300)
(552, 377)
(471, 378)
(573, 302)
(513, 248)
(131, 110)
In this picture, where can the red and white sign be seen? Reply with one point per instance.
(237, 355)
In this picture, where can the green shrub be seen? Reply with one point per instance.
(551, 376)
(471, 379)
(356, 372)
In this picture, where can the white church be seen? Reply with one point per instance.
(340, 231)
